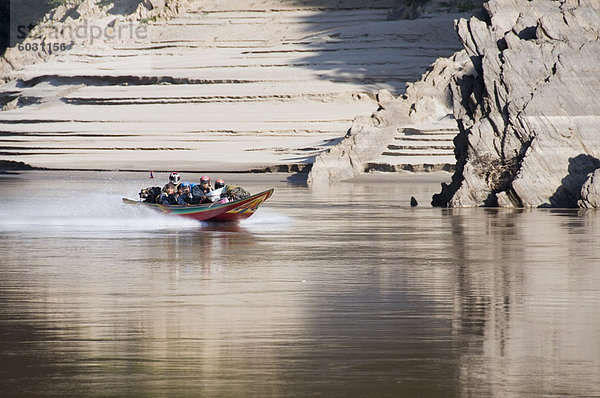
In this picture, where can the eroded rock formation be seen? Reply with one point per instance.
(590, 191)
(524, 94)
(429, 99)
(529, 115)
(365, 140)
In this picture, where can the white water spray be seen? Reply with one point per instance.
(87, 211)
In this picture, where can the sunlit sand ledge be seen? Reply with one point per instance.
(218, 89)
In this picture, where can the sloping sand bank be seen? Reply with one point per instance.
(225, 85)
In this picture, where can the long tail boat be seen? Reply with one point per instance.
(218, 212)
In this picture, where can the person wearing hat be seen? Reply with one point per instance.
(169, 197)
(200, 191)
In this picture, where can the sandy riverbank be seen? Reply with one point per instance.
(231, 86)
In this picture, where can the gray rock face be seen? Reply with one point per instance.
(590, 191)
(366, 139)
(529, 114)
(427, 100)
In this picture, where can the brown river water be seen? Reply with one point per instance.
(339, 292)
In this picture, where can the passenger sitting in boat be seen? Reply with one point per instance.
(185, 196)
(218, 193)
(199, 191)
(175, 179)
(169, 197)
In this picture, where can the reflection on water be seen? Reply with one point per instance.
(347, 292)
(527, 296)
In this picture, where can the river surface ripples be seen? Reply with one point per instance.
(345, 291)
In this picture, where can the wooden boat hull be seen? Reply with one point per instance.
(212, 212)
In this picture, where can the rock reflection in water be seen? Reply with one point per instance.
(526, 301)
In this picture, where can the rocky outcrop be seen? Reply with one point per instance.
(366, 139)
(590, 191)
(7, 165)
(529, 114)
(429, 99)
(523, 93)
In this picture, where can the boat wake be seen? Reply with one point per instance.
(92, 211)
(105, 212)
